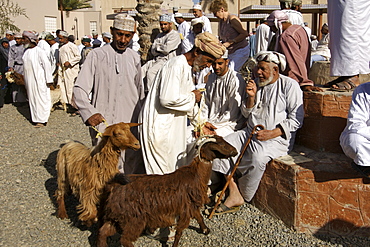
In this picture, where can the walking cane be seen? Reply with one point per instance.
(255, 129)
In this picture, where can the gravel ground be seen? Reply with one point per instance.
(28, 182)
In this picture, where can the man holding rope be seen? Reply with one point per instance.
(109, 87)
(276, 102)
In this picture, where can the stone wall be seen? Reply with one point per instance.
(323, 195)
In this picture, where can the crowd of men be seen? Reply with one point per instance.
(192, 86)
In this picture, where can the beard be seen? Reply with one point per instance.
(26, 45)
(196, 64)
(266, 82)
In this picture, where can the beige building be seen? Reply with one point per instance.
(45, 16)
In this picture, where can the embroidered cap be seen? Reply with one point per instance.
(124, 22)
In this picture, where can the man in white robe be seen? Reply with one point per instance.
(262, 36)
(54, 51)
(69, 58)
(276, 102)
(171, 98)
(184, 30)
(220, 107)
(38, 78)
(349, 24)
(198, 13)
(355, 138)
(112, 75)
(164, 47)
(292, 9)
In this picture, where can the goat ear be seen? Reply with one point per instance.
(108, 131)
(134, 124)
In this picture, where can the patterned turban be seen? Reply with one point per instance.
(271, 57)
(49, 36)
(63, 33)
(124, 22)
(166, 18)
(207, 42)
(31, 35)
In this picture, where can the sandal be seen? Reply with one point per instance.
(222, 209)
(39, 125)
(344, 86)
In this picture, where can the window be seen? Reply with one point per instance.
(50, 24)
(93, 26)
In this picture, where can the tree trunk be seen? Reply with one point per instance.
(148, 18)
(61, 16)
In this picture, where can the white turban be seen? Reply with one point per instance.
(271, 57)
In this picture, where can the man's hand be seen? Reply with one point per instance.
(67, 65)
(198, 95)
(251, 88)
(209, 129)
(311, 88)
(264, 135)
(95, 119)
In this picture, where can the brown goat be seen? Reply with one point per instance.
(157, 201)
(86, 171)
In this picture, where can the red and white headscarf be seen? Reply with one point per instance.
(31, 35)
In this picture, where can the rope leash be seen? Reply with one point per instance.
(99, 134)
(200, 123)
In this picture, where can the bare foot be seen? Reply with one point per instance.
(235, 198)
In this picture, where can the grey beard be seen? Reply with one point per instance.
(265, 83)
(26, 45)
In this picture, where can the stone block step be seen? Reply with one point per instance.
(317, 193)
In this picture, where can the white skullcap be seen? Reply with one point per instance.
(17, 35)
(166, 18)
(196, 21)
(63, 33)
(108, 35)
(94, 33)
(197, 6)
(9, 32)
(124, 22)
(271, 57)
(178, 15)
(226, 55)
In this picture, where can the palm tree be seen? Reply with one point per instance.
(70, 5)
(8, 9)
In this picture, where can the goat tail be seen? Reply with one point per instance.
(61, 167)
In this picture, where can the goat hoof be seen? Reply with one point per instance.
(206, 231)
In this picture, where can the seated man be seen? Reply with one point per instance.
(355, 138)
(164, 47)
(220, 106)
(276, 102)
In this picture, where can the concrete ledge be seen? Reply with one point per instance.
(320, 73)
(317, 193)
